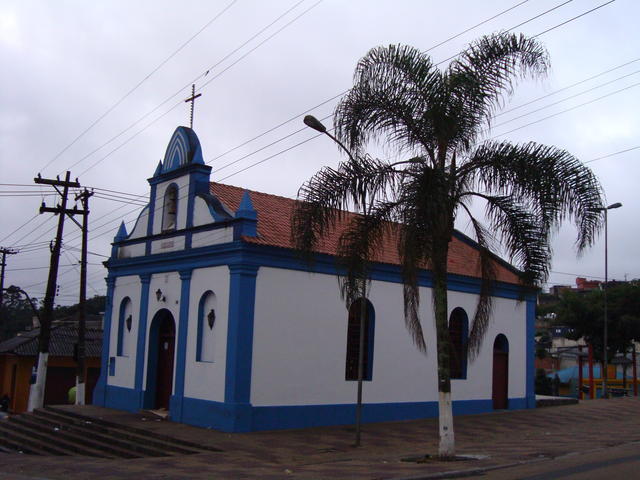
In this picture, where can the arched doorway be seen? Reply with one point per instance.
(162, 338)
(500, 389)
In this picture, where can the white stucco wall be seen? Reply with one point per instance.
(206, 379)
(171, 244)
(140, 227)
(509, 318)
(299, 351)
(201, 213)
(125, 365)
(128, 251)
(212, 237)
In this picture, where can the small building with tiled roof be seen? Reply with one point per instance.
(18, 356)
(212, 315)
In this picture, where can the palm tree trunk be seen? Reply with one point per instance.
(445, 410)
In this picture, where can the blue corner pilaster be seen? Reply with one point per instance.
(531, 350)
(100, 390)
(145, 280)
(237, 394)
(177, 399)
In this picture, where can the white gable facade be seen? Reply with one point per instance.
(212, 315)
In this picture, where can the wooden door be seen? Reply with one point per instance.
(500, 379)
(166, 347)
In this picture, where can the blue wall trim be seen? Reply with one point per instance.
(99, 392)
(243, 417)
(121, 398)
(242, 294)
(181, 350)
(145, 279)
(242, 252)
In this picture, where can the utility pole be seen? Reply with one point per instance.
(81, 350)
(3, 263)
(36, 394)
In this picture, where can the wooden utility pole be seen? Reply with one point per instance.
(3, 263)
(36, 395)
(81, 350)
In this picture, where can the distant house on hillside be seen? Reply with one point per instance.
(18, 356)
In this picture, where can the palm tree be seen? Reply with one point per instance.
(438, 120)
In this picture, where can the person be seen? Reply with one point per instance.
(4, 403)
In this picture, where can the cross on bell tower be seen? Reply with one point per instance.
(192, 99)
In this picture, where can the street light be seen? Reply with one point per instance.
(606, 279)
(313, 122)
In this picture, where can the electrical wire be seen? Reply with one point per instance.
(135, 87)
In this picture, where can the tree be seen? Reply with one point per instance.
(438, 120)
(17, 314)
(583, 312)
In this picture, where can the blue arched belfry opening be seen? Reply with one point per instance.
(458, 340)
(353, 340)
(160, 360)
(500, 374)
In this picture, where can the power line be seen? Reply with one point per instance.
(126, 95)
(566, 88)
(569, 109)
(179, 103)
(575, 18)
(174, 95)
(256, 163)
(612, 154)
(567, 98)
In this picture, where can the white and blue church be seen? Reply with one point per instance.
(212, 315)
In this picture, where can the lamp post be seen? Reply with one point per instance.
(605, 361)
(313, 122)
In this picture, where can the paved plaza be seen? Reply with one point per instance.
(491, 440)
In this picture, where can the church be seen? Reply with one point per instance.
(212, 315)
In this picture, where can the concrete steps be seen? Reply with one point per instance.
(57, 431)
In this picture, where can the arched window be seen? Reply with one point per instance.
(353, 340)
(458, 339)
(207, 325)
(170, 208)
(125, 322)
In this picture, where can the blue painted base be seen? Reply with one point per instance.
(246, 418)
(122, 398)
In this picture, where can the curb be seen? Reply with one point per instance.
(470, 472)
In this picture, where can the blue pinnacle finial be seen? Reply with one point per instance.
(246, 210)
(122, 233)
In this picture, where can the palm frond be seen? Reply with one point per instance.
(486, 72)
(357, 248)
(394, 89)
(330, 193)
(484, 307)
(548, 182)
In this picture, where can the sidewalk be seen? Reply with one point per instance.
(501, 438)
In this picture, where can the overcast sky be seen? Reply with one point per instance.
(65, 64)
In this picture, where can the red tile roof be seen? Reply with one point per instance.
(274, 229)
